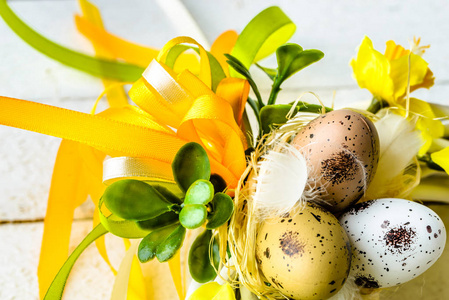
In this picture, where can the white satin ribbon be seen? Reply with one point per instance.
(118, 168)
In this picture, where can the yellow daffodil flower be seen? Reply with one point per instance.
(213, 291)
(386, 75)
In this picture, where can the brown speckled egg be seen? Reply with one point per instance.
(342, 151)
(305, 255)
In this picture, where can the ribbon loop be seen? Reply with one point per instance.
(205, 74)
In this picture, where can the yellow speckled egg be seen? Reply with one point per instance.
(342, 150)
(305, 255)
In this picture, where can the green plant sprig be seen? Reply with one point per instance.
(156, 209)
(291, 58)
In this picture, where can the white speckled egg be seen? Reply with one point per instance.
(392, 240)
(304, 255)
(342, 151)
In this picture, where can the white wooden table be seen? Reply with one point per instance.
(26, 159)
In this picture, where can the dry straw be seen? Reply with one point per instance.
(241, 235)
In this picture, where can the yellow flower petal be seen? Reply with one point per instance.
(225, 293)
(205, 292)
(371, 70)
(429, 127)
(442, 159)
(427, 82)
(394, 51)
(400, 71)
(213, 291)
(387, 76)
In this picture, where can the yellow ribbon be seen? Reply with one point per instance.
(66, 193)
(86, 171)
(116, 98)
(223, 45)
(173, 108)
(198, 115)
(130, 52)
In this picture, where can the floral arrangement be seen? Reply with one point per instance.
(314, 204)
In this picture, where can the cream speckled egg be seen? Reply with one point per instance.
(305, 255)
(393, 240)
(342, 150)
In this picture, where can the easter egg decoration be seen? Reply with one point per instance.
(304, 254)
(342, 150)
(393, 241)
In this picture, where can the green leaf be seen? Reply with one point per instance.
(271, 73)
(190, 164)
(148, 245)
(135, 200)
(163, 220)
(120, 227)
(168, 195)
(223, 207)
(162, 243)
(218, 182)
(57, 286)
(274, 115)
(291, 59)
(98, 67)
(200, 265)
(193, 216)
(167, 249)
(200, 192)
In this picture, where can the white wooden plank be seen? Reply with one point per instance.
(27, 74)
(26, 167)
(338, 28)
(90, 278)
(19, 257)
(335, 29)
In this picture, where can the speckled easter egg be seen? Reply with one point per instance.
(305, 255)
(342, 151)
(393, 240)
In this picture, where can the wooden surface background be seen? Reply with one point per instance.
(26, 159)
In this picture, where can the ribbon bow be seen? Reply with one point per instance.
(141, 141)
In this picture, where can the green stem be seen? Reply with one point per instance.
(430, 163)
(376, 105)
(275, 89)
